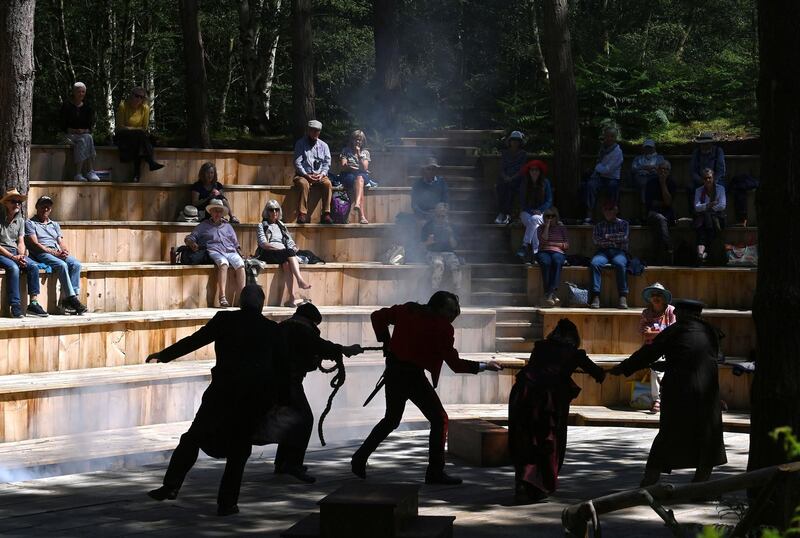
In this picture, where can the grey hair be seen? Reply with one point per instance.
(78, 85)
(271, 204)
(611, 129)
(252, 298)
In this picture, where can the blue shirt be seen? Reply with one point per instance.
(47, 233)
(702, 202)
(311, 158)
(215, 237)
(609, 162)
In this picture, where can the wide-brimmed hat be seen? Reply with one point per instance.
(216, 204)
(689, 305)
(12, 193)
(535, 163)
(656, 288)
(310, 312)
(706, 137)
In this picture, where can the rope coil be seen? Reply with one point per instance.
(336, 383)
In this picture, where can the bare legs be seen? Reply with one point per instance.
(358, 199)
(291, 272)
(222, 282)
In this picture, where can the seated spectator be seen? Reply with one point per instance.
(535, 195)
(511, 161)
(645, 167)
(706, 154)
(275, 245)
(657, 316)
(606, 173)
(738, 187)
(355, 159)
(12, 256)
(659, 193)
(131, 133)
(610, 236)
(77, 119)
(429, 191)
(553, 244)
(312, 161)
(218, 237)
(207, 188)
(46, 244)
(439, 239)
(709, 213)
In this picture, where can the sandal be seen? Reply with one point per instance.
(656, 407)
(361, 218)
(223, 303)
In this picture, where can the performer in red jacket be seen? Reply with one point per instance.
(422, 340)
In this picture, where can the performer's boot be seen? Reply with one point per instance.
(441, 477)
(358, 464)
(164, 493)
(299, 472)
(227, 510)
(651, 476)
(702, 474)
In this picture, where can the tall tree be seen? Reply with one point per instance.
(563, 95)
(776, 383)
(197, 134)
(259, 35)
(387, 61)
(303, 93)
(16, 92)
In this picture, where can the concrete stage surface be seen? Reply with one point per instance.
(600, 460)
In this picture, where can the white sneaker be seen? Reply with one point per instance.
(91, 176)
(79, 177)
(501, 217)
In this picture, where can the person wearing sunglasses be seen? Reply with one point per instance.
(13, 258)
(131, 133)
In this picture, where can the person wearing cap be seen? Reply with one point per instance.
(13, 258)
(606, 173)
(354, 160)
(218, 237)
(709, 213)
(645, 166)
(305, 350)
(422, 339)
(207, 188)
(707, 154)
(511, 161)
(657, 316)
(553, 245)
(46, 245)
(610, 236)
(312, 161)
(77, 119)
(535, 197)
(275, 245)
(243, 388)
(429, 190)
(690, 425)
(658, 195)
(131, 133)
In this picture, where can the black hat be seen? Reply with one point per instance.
(310, 312)
(44, 200)
(688, 304)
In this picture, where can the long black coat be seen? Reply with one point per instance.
(243, 380)
(690, 429)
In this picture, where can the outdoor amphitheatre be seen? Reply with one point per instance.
(383, 269)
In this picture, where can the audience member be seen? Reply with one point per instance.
(706, 154)
(12, 256)
(131, 133)
(218, 237)
(659, 194)
(429, 191)
(610, 236)
(657, 316)
(553, 244)
(511, 161)
(355, 160)
(645, 167)
(46, 244)
(275, 245)
(709, 213)
(77, 118)
(535, 196)
(312, 161)
(207, 188)
(440, 241)
(606, 172)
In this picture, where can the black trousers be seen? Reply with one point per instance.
(292, 451)
(134, 144)
(408, 382)
(659, 229)
(185, 455)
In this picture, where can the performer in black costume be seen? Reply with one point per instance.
(305, 350)
(690, 427)
(242, 389)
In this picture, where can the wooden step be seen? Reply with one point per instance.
(499, 285)
(512, 344)
(495, 298)
(114, 339)
(524, 329)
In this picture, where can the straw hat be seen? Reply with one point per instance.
(656, 288)
(11, 194)
(216, 204)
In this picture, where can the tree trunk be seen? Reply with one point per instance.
(537, 42)
(564, 98)
(223, 97)
(16, 92)
(258, 37)
(387, 64)
(104, 122)
(302, 67)
(62, 30)
(776, 383)
(197, 134)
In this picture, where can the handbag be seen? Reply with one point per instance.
(340, 207)
(641, 394)
(308, 257)
(742, 256)
(577, 296)
(185, 256)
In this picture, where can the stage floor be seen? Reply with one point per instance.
(599, 460)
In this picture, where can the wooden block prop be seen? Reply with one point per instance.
(478, 442)
(366, 510)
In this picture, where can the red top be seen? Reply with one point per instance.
(421, 338)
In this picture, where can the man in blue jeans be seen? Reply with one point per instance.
(47, 246)
(12, 256)
(611, 238)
